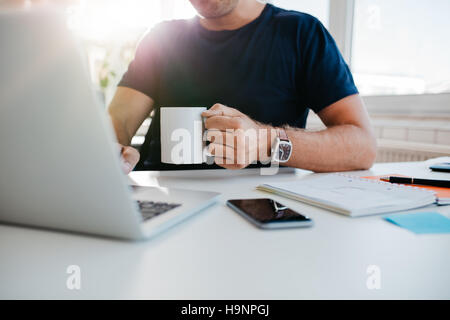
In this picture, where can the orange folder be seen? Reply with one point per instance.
(443, 194)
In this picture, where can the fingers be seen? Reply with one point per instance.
(126, 167)
(226, 131)
(225, 156)
(221, 151)
(130, 157)
(223, 122)
(221, 110)
(220, 137)
(228, 157)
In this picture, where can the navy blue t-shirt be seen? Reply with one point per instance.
(273, 69)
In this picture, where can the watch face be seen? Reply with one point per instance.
(285, 149)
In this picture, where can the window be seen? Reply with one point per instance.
(120, 20)
(397, 50)
(401, 47)
(111, 29)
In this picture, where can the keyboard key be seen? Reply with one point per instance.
(150, 209)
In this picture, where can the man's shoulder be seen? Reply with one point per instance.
(168, 30)
(292, 18)
(174, 26)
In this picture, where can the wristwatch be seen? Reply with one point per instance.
(282, 149)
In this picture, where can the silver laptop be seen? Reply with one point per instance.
(59, 164)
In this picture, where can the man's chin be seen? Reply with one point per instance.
(219, 10)
(214, 15)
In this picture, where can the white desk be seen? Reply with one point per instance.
(218, 255)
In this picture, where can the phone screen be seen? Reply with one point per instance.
(443, 167)
(267, 211)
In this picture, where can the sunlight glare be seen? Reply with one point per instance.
(117, 20)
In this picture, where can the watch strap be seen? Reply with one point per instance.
(282, 134)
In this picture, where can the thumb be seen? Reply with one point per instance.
(130, 158)
(126, 167)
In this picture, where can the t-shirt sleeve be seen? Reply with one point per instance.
(326, 76)
(143, 73)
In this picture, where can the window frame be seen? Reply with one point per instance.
(341, 26)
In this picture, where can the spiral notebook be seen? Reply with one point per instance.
(352, 196)
(442, 194)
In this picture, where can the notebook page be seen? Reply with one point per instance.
(352, 193)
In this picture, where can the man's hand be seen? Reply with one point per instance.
(129, 158)
(236, 139)
(128, 109)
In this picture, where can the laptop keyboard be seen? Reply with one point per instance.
(150, 209)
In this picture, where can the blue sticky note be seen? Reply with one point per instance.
(421, 222)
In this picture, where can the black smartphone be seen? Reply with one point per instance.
(441, 167)
(269, 214)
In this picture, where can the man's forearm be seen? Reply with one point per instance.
(338, 148)
(347, 144)
(128, 110)
(123, 137)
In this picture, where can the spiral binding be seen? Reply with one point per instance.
(392, 185)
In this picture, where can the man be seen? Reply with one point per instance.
(257, 67)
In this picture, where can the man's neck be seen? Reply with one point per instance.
(245, 12)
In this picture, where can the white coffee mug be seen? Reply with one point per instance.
(182, 131)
